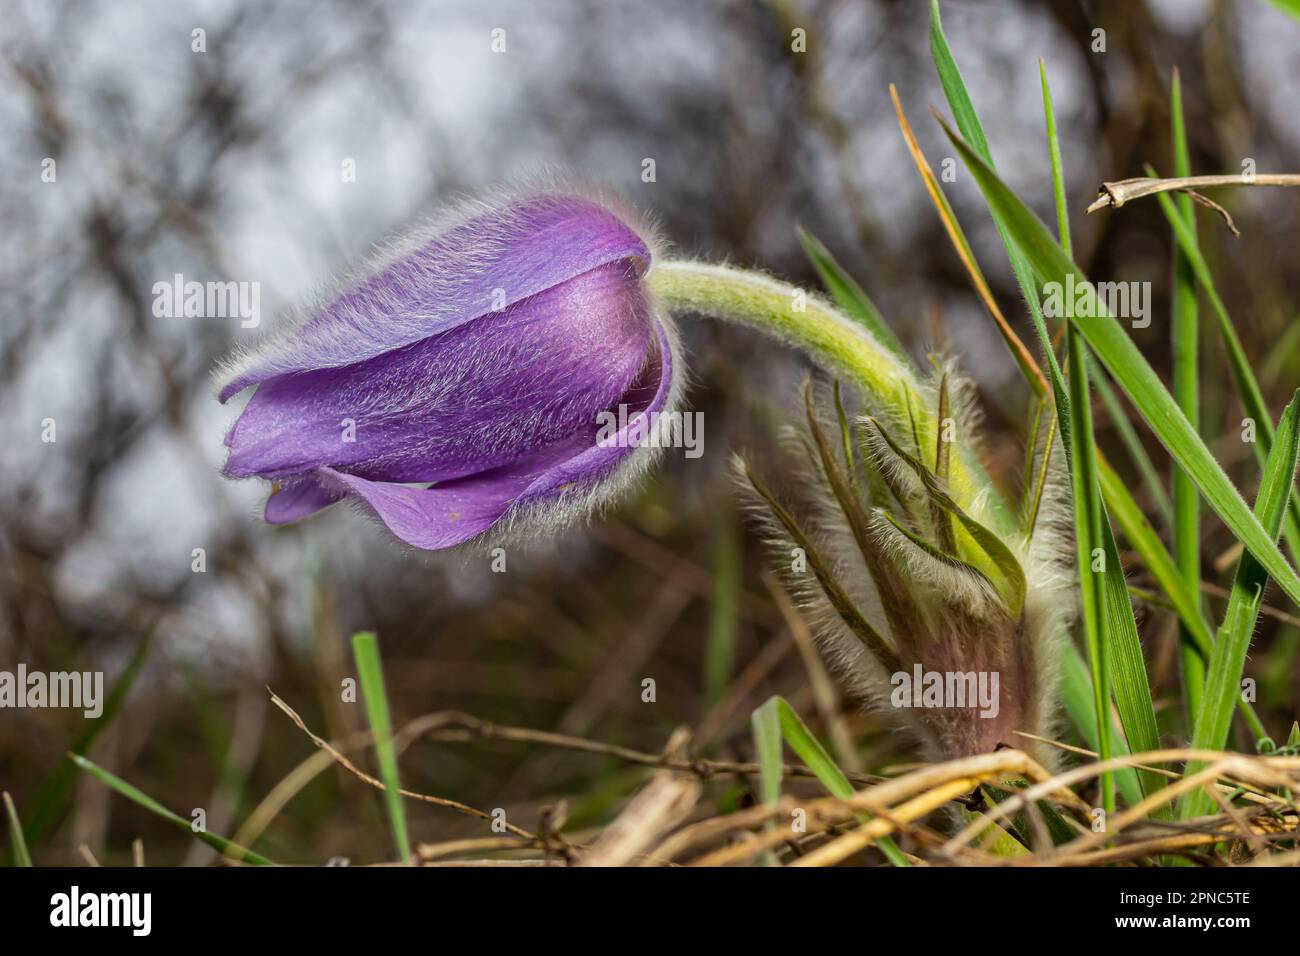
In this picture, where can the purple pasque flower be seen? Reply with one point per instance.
(455, 385)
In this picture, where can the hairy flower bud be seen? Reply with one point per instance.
(941, 614)
(455, 385)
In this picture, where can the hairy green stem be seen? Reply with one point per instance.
(788, 313)
(800, 319)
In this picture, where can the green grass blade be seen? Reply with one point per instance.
(1100, 606)
(1054, 152)
(1116, 658)
(1116, 350)
(1128, 436)
(1155, 557)
(1288, 6)
(1223, 678)
(1023, 357)
(232, 850)
(1076, 695)
(765, 723)
(1088, 520)
(1252, 398)
(815, 757)
(954, 87)
(963, 111)
(1157, 560)
(1186, 391)
(775, 720)
(810, 750)
(724, 613)
(21, 856)
(1128, 669)
(53, 799)
(848, 295)
(370, 675)
(1189, 252)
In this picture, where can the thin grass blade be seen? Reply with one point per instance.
(1227, 662)
(801, 740)
(20, 853)
(724, 613)
(370, 675)
(1131, 370)
(1076, 695)
(1252, 397)
(1088, 519)
(765, 724)
(231, 850)
(1028, 367)
(54, 797)
(1186, 391)
(1114, 653)
(1128, 669)
(848, 295)
(1128, 437)
(963, 111)
(1288, 6)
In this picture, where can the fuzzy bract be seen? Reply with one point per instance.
(925, 600)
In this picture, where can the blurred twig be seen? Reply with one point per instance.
(379, 785)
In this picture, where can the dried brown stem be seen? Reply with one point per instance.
(1118, 193)
(378, 784)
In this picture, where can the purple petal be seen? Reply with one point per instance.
(521, 249)
(453, 512)
(297, 501)
(463, 401)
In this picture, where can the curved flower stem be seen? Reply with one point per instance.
(788, 313)
(800, 319)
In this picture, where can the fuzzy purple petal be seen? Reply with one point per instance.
(297, 501)
(520, 249)
(451, 513)
(459, 403)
